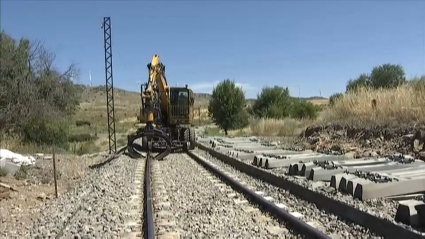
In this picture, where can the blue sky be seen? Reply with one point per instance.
(309, 46)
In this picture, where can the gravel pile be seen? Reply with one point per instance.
(201, 210)
(330, 223)
(95, 207)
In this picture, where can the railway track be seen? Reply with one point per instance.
(281, 215)
(194, 202)
(198, 194)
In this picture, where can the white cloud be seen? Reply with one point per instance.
(245, 86)
(204, 86)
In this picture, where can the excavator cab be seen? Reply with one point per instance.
(181, 105)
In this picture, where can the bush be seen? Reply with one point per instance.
(387, 76)
(383, 76)
(242, 120)
(45, 130)
(79, 123)
(81, 137)
(36, 99)
(81, 148)
(272, 102)
(22, 172)
(334, 98)
(304, 110)
(360, 82)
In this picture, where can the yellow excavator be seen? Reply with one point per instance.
(166, 113)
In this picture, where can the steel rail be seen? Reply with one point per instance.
(149, 218)
(295, 223)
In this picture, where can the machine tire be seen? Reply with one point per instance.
(186, 138)
(145, 142)
(192, 138)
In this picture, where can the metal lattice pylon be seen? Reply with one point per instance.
(109, 84)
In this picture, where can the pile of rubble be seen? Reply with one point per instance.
(11, 161)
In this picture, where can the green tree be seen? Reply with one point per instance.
(302, 109)
(34, 96)
(361, 81)
(273, 102)
(333, 98)
(226, 106)
(387, 76)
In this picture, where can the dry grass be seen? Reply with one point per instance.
(200, 113)
(277, 127)
(15, 144)
(265, 127)
(319, 101)
(215, 131)
(405, 104)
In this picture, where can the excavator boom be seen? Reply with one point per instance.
(165, 111)
(157, 77)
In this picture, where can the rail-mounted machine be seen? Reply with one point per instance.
(166, 113)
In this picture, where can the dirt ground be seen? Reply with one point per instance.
(360, 141)
(18, 204)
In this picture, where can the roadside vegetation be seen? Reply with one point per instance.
(274, 112)
(36, 99)
(41, 106)
(383, 97)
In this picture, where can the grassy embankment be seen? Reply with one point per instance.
(271, 127)
(405, 104)
(402, 105)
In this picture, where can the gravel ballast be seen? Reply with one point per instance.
(94, 207)
(381, 207)
(329, 223)
(202, 210)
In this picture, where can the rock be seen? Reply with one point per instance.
(41, 197)
(417, 145)
(336, 147)
(313, 140)
(421, 156)
(309, 131)
(373, 154)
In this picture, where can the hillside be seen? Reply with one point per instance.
(127, 104)
(124, 97)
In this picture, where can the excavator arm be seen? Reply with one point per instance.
(167, 111)
(155, 108)
(157, 84)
